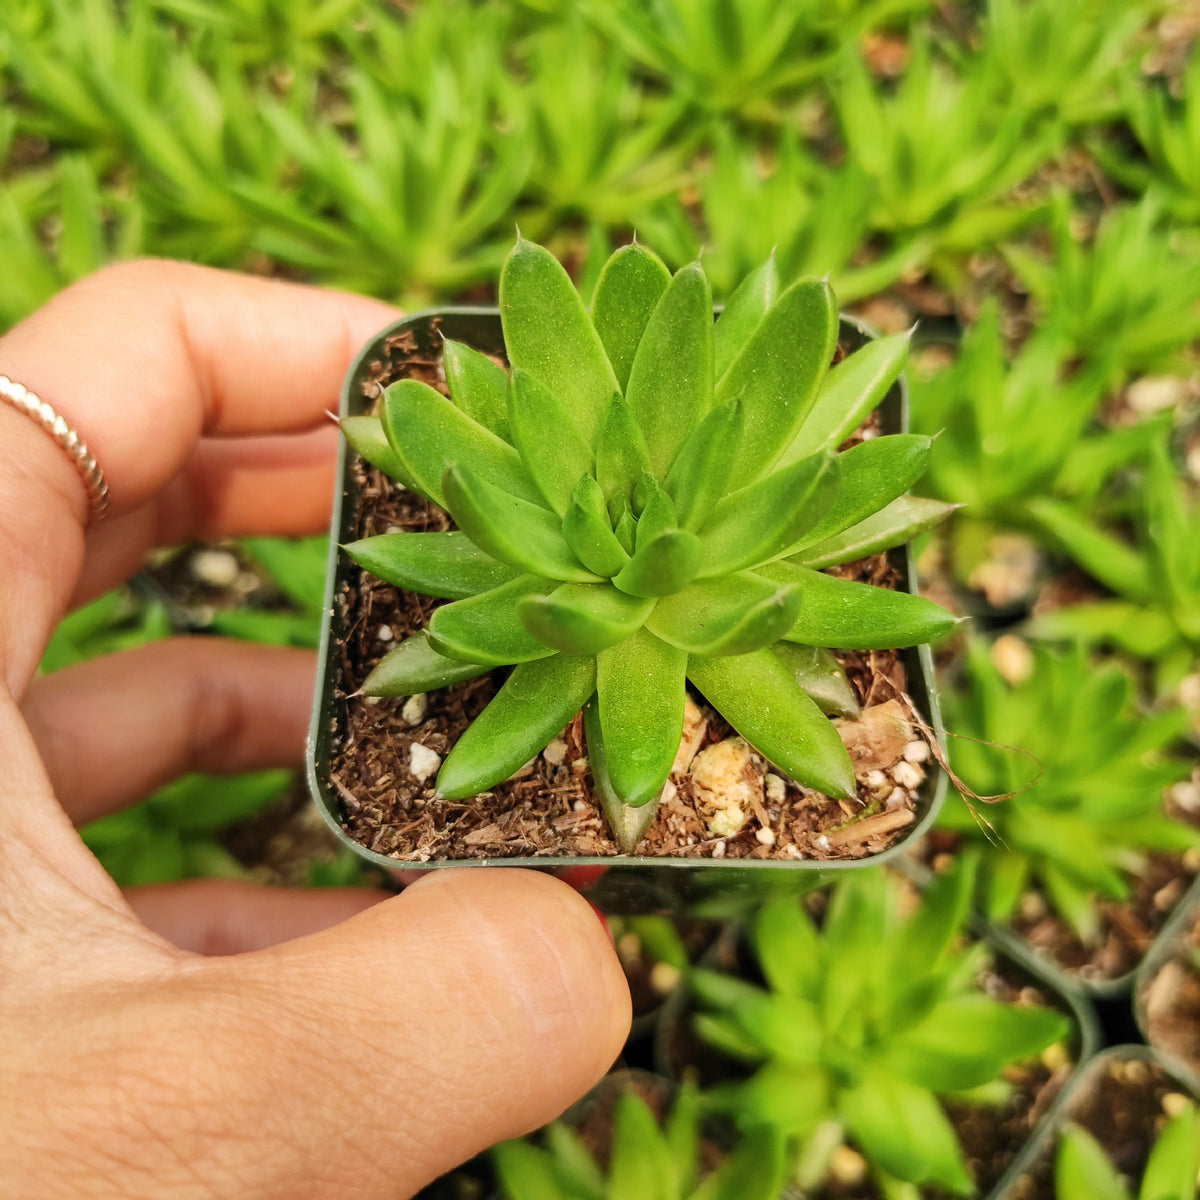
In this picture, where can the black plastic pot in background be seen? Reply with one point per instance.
(629, 883)
(1166, 994)
(1124, 1089)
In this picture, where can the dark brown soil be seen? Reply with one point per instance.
(1121, 1105)
(547, 809)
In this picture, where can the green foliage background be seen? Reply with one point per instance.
(1021, 176)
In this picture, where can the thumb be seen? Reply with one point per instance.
(370, 1058)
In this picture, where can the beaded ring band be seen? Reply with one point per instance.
(34, 407)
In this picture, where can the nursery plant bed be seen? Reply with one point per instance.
(378, 794)
(996, 1139)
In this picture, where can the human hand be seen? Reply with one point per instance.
(390, 1038)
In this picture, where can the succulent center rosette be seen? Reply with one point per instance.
(647, 497)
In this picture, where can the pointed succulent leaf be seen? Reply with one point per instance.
(447, 565)
(759, 697)
(624, 523)
(1082, 1171)
(368, 440)
(551, 446)
(894, 525)
(574, 1166)
(628, 824)
(763, 520)
(731, 615)
(743, 313)
(665, 564)
(415, 666)
(548, 333)
(534, 704)
(778, 372)
(643, 489)
(630, 286)
(486, 628)
(426, 432)
(849, 392)
(874, 473)
(1112, 561)
(525, 1171)
(658, 514)
(589, 533)
(901, 1128)
(640, 695)
(757, 1169)
(583, 618)
(844, 615)
(621, 455)
(697, 478)
(477, 385)
(671, 382)
(1175, 1159)
(965, 1041)
(818, 673)
(512, 530)
(788, 948)
(640, 1164)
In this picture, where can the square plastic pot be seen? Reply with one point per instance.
(630, 883)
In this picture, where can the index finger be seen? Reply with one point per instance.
(143, 360)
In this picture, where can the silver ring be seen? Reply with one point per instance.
(34, 407)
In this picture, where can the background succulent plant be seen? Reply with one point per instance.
(645, 498)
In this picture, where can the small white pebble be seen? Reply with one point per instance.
(422, 762)
(414, 710)
(384, 633)
(907, 774)
(579, 806)
(555, 752)
(764, 837)
(896, 797)
(847, 1166)
(792, 850)
(1055, 1056)
(371, 700)
(1185, 796)
(876, 779)
(916, 752)
(718, 849)
(776, 789)
(1173, 1103)
(217, 568)
(663, 978)
(822, 843)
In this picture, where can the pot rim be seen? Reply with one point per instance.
(918, 660)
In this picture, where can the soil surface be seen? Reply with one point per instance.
(548, 808)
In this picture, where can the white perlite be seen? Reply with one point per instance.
(555, 752)
(414, 710)
(217, 568)
(422, 762)
(727, 780)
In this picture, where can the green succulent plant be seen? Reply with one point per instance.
(1088, 789)
(1083, 1171)
(645, 1160)
(646, 498)
(866, 1019)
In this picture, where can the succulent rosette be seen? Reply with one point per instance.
(647, 497)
